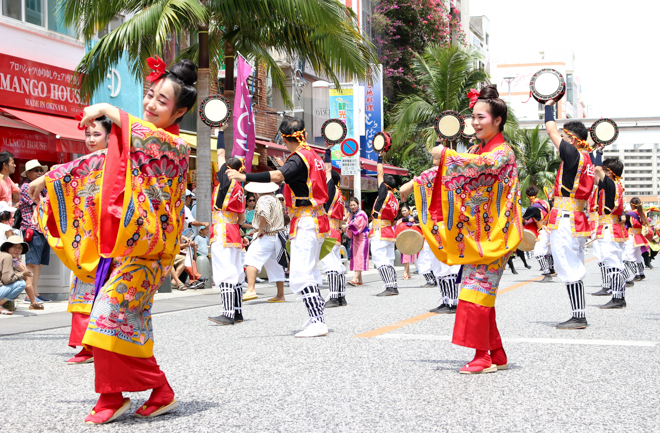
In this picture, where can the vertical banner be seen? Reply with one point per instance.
(244, 132)
(373, 114)
(341, 107)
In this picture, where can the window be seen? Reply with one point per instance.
(12, 9)
(114, 23)
(54, 23)
(41, 13)
(33, 12)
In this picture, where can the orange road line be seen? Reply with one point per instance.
(401, 324)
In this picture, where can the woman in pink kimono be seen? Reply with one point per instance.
(358, 233)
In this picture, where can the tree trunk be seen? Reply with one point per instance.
(204, 183)
(229, 52)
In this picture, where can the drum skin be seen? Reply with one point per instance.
(409, 239)
(528, 241)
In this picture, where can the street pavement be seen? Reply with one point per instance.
(386, 366)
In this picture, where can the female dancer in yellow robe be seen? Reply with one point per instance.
(138, 185)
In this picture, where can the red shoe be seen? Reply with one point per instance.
(498, 356)
(151, 411)
(107, 414)
(480, 364)
(83, 357)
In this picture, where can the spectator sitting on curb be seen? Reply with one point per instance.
(6, 212)
(179, 265)
(202, 242)
(13, 280)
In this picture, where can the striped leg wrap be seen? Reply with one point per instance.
(618, 283)
(342, 285)
(388, 275)
(227, 293)
(551, 261)
(334, 283)
(604, 275)
(631, 271)
(238, 299)
(576, 295)
(452, 290)
(543, 262)
(640, 269)
(430, 277)
(315, 304)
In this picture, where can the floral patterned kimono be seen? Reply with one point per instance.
(122, 204)
(474, 219)
(358, 233)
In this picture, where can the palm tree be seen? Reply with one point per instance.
(538, 162)
(324, 33)
(445, 75)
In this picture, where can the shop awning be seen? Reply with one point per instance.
(70, 138)
(280, 151)
(191, 139)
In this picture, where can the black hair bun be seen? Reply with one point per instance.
(489, 92)
(186, 71)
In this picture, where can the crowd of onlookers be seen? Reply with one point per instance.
(23, 247)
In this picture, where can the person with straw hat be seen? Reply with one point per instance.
(267, 242)
(13, 280)
(39, 254)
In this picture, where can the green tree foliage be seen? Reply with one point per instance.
(537, 161)
(324, 33)
(404, 28)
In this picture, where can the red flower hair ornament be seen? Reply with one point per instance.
(158, 66)
(79, 118)
(473, 95)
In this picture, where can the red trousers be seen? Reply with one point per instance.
(79, 322)
(122, 373)
(475, 327)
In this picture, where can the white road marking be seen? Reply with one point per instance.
(530, 340)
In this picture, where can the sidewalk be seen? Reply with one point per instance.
(55, 315)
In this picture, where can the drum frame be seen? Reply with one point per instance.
(461, 121)
(206, 120)
(463, 134)
(556, 96)
(334, 121)
(592, 131)
(388, 142)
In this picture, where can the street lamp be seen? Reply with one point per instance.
(509, 80)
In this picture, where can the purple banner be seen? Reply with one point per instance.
(244, 133)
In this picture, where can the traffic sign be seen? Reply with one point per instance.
(350, 166)
(349, 147)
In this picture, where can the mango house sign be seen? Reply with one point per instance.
(39, 87)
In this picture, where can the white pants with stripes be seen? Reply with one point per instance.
(423, 262)
(305, 249)
(542, 247)
(608, 252)
(332, 262)
(441, 270)
(631, 252)
(227, 264)
(567, 252)
(382, 252)
(263, 253)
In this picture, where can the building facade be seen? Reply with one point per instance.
(513, 74)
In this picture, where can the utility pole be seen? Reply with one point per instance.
(509, 80)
